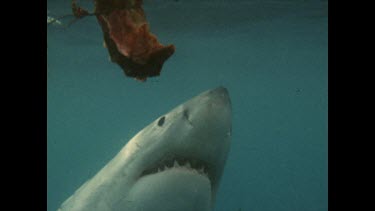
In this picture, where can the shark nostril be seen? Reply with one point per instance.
(161, 121)
(186, 114)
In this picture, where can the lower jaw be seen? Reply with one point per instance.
(171, 190)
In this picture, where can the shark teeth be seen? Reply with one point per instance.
(195, 165)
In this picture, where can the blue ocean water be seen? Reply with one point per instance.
(272, 57)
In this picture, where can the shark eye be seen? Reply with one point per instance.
(161, 121)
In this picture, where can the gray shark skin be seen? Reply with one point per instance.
(173, 164)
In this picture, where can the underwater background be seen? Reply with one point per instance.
(271, 55)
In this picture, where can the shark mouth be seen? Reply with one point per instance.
(192, 164)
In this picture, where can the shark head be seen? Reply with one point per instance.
(173, 164)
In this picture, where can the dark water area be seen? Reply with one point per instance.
(272, 56)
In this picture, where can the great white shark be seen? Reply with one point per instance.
(173, 164)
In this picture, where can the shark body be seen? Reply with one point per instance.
(173, 164)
